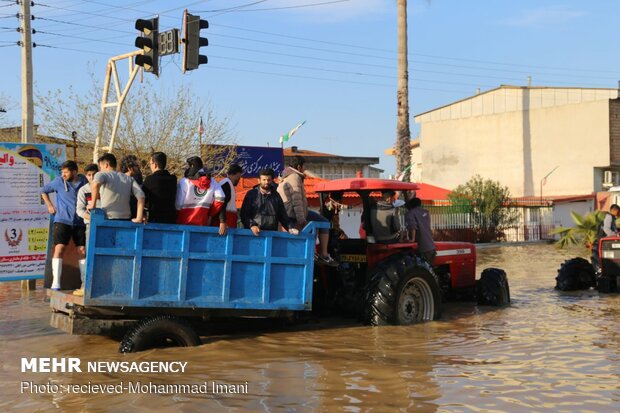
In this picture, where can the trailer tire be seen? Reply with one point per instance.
(403, 290)
(159, 331)
(575, 274)
(492, 288)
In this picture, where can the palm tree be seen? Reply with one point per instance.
(403, 134)
(583, 233)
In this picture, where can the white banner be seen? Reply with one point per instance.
(23, 242)
(24, 220)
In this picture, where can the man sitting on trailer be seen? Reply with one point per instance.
(263, 208)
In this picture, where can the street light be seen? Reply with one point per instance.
(542, 183)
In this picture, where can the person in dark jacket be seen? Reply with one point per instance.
(160, 189)
(607, 228)
(263, 207)
(418, 223)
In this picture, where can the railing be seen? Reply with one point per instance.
(527, 223)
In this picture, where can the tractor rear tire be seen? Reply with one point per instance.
(403, 290)
(159, 331)
(492, 288)
(575, 274)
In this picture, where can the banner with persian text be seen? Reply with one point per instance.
(24, 220)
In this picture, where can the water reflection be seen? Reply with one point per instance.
(549, 352)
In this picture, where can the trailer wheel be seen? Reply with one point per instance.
(575, 274)
(492, 288)
(159, 331)
(402, 291)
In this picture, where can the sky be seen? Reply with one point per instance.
(275, 63)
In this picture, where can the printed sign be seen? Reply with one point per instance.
(251, 158)
(24, 219)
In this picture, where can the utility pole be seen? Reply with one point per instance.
(27, 102)
(403, 133)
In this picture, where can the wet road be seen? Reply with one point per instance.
(547, 352)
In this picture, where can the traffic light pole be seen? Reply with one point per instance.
(112, 73)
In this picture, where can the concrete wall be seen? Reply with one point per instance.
(518, 135)
(561, 212)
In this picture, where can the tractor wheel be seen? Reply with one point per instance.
(492, 288)
(403, 290)
(575, 274)
(159, 331)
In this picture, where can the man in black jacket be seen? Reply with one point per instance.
(160, 189)
(263, 208)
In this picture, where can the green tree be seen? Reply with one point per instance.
(489, 206)
(583, 233)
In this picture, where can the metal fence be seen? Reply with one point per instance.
(530, 223)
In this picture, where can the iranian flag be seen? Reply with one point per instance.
(287, 136)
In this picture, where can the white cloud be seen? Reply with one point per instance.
(544, 16)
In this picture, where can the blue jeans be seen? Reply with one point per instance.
(313, 216)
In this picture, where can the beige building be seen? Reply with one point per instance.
(517, 135)
(330, 166)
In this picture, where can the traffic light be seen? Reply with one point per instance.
(149, 43)
(192, 41)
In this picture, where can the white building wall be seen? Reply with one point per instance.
(562, 212)
(516, 136)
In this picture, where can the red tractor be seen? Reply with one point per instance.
(579, 274)
(390, 283)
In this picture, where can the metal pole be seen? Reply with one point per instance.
(27, 104)
(74, 136)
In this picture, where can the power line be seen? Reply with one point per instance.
(78, 37)
(84, 12)
(84, 25)
(287, 7)
(329, 80)
(76, 50)
(410, 54)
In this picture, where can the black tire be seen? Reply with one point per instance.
(492, 288)
(159, 331)
(575, 274)
(403, 290)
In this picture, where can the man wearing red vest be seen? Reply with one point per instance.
(227, 218)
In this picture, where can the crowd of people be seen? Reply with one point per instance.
(199, 199)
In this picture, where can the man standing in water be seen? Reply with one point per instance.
(67, 224)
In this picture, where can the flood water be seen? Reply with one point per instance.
(547, 352)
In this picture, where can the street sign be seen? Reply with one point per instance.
(169, 42)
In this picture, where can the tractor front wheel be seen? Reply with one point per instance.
(492, 288)
(402, 291)
(575, 274)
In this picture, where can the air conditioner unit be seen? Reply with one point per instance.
(610, 178)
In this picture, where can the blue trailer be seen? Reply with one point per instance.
(155, 281)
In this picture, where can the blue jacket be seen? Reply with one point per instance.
(66, 199)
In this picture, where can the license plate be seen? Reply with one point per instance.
(615, 246)
(353, 258)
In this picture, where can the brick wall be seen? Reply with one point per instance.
(614, 132)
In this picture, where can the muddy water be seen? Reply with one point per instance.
(548, 352)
